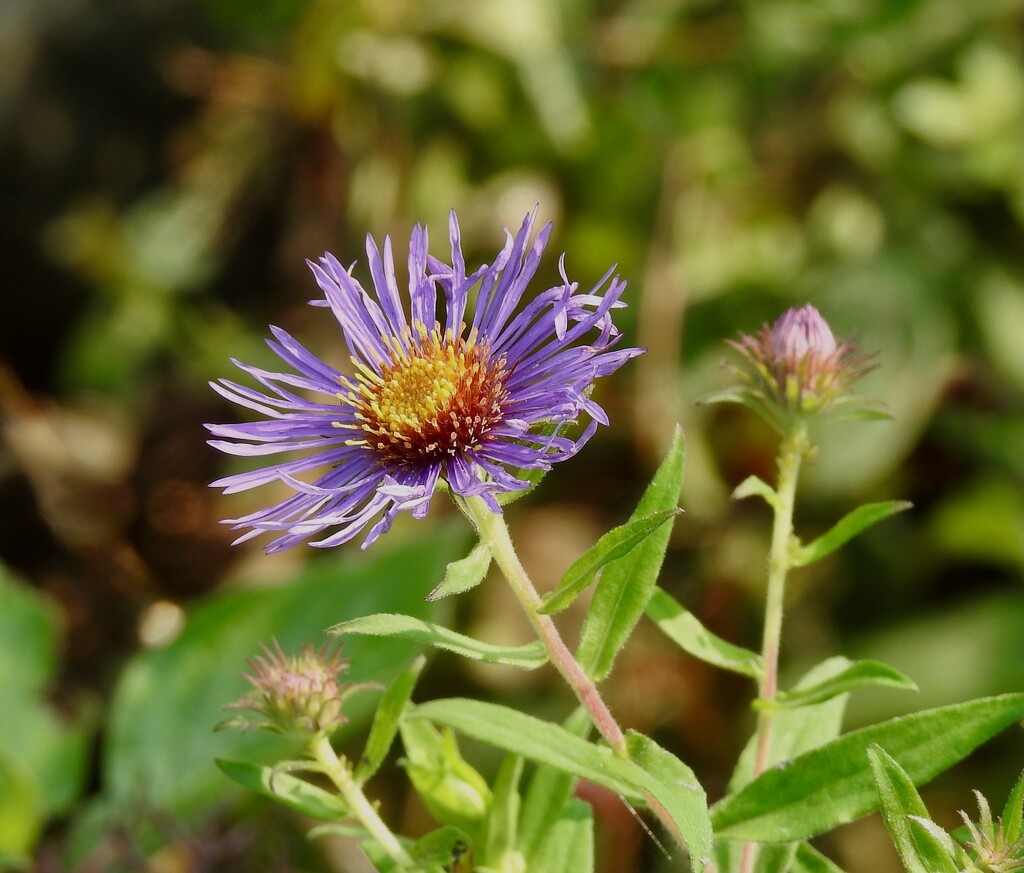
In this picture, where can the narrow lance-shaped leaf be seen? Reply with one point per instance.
(674, 787)
(406, 627)
(569, 846)
(795, 731)
(662, 779)
(857, 675)
(898, 800)
(626, 584)
(615, 544)
(503, 818)
(684, 628)
(846, 529)
(464, 574)
(831, 785)
(385, 720)
(810, 860)
(288, 790)
(531, 737)
(753, 486)
(1013, 812)
(546, 796)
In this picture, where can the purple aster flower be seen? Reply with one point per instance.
(477, 400)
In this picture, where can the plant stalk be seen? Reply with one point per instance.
(334, 768)
(794, 448)
(493, 531)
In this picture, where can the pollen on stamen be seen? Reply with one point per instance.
(435, 396)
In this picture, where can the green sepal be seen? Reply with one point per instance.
(856, 675)
(386, 624)
(385, 720)
(844, 530)
(276, 783)
(684, 628)
(464, 574)
(617, 543)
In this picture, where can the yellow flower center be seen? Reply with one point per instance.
(436, 396)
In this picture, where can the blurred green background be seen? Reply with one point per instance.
(165, 169)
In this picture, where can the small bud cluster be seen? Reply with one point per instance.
(299, 695)
(996, 850)
(797, 367)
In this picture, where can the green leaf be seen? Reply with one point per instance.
(294, 793)
(626, 584)
(857, 675)
(547, 794)
(406, 627)
(21, 810)
(832, 784)
(846, 529)
(655, 777)
(673, 786)
(442, 847)
(795, 731)
(385, 721)
(51, 754)
(454, 792)
(754, 486)
(464, 574)
(898, 799)
(809, 860)
(615, 544)
(28, 638)
(160, 745)
(940, 845)
(1013, 811)
(503, 818)
(532, 738)
(569, 845)
(684, 628)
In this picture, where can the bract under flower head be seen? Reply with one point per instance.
(797, 368)
(436, 393)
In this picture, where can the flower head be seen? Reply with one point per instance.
(435, 393)
(796, 367)
(301, 695)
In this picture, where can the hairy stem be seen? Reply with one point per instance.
(493, 531)
(336, 770)
(792, 451)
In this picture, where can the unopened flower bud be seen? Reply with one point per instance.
(300, 695)
(796, 367)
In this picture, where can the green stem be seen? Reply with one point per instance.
(336, 770)
(792, 451)
(493, 531)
